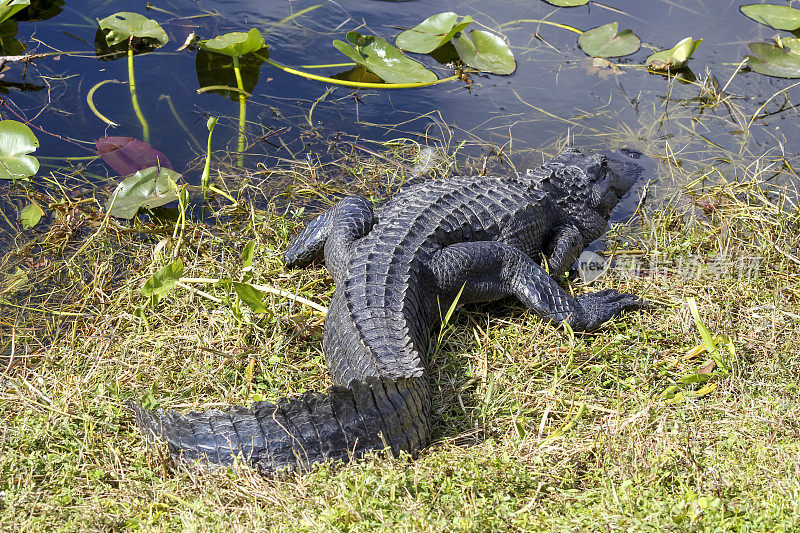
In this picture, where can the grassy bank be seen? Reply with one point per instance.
(535, 428)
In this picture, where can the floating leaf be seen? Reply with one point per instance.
(431, 33)
(781, 60)
(126, 155)
(567, 3)
(676, 57)
(163, 280)
(16, 141)
(234, 44)
(9, 44)
(250, 296)
(779, 17)
(485, 51)
(151, 187)
(30, 215)
(8, 8)
(383, 59)
(607, 41)
(41, 10)
(122, 26)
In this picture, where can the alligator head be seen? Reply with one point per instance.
(588, 185)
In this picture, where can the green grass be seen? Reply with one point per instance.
(534, 428)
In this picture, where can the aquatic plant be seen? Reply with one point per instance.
(124, 27)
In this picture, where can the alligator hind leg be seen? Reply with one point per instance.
(350, 219)
(490, 270)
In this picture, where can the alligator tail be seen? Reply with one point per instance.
(341, 424)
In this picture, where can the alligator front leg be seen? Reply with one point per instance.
(490, 270)
(331, 234)
(567, 247)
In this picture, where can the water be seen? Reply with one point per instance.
(555, 96)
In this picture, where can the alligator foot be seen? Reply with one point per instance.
(489, 270)
(599, 307)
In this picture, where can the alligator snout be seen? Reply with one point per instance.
(624, 169)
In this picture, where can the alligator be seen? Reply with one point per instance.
(396, 270)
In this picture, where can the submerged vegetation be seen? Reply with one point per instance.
(683, 417)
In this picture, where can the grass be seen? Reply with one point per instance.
(535, 428)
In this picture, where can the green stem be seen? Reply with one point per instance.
(134, 100)
(242, 106)
(204, 179)
(358, 84)
(540, 21)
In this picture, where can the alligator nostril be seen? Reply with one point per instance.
(633, 154)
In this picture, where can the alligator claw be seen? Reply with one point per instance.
(601, 306)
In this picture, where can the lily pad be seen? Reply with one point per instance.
(9, 44)
(567, 3)
(121, 26)
(432, 33)
(151, 187)
(8, 8)
(40, 10)
(30, 215)
(676, 57)
(781, 60)
(485, 51)
(383, 59)
(16, 141)
(126, 155)
(779, 17)
(234, 44)
(608, 41)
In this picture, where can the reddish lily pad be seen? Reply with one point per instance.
(126, 155)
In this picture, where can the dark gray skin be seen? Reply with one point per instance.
(395, 270)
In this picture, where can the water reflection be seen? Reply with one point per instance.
(557, 92)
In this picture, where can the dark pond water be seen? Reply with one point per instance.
(556, 93)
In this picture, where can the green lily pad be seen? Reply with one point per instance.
(8, 8)
(122, 26)
(16, 141)
(779, 17)
(151, 187)
(607, 41)
(432, 33)
(781, 60)
(9, 44)
(567, 3)
(30, 215)
(383, 59)
(234, 44)
(676, 57)
(485, 51)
